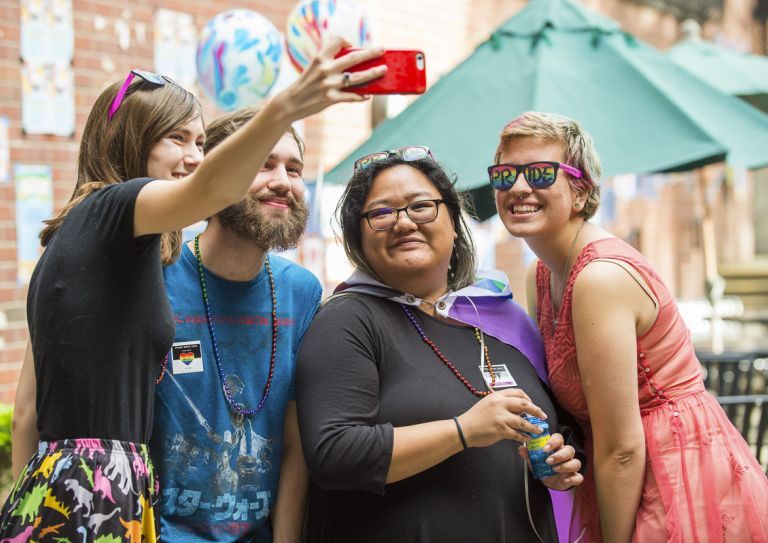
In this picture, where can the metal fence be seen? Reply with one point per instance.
(740, 383)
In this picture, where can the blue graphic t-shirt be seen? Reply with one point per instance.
(218, 470)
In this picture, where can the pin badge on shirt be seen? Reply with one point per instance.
(187, 358)
(504, 379)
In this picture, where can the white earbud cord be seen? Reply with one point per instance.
(528, 502)
(525, 465)
(482, 339)
(482, 351)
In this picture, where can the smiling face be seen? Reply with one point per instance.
(280, 178)
(529, 213)
(178, 153)
(273, 214)
(409, 257)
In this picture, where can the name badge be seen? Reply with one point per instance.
(187, 358)
(504, 379)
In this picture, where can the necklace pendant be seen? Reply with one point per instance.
(554, 323)
(237, 417)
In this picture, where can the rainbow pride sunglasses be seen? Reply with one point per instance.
(538, 175)
(409, 154)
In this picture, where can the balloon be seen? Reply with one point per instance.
(312, 21)
(238, 58)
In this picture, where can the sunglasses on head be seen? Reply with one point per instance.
(150, 77)
(538, 175)
(409, 154)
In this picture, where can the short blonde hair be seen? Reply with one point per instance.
(578, 145)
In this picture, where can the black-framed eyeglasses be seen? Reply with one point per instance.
(385, 218)
(538, 175)
(409, 154)
(150, 77)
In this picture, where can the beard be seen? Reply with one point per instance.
(250, 222)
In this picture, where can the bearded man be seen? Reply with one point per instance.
(227, 389)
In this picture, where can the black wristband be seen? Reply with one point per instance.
(461, 434)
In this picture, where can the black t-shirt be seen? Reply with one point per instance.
(362, 370)
(99, 321)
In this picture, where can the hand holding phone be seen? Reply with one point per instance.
(322, 83)
(406, 73)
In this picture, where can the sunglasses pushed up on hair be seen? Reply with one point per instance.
(409, 154)
(538, 175)
(150, 77)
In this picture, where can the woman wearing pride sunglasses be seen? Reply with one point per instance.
(403, 438)
(668, 464)
(100, 324)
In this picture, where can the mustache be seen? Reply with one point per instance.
(290, 199)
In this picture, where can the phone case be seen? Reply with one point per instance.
(406, 73)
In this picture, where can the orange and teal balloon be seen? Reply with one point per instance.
(311, 22)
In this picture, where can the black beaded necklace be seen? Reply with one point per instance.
(227, 392)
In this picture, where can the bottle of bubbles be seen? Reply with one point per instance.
(536, 449)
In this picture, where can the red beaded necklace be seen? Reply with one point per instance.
(162, 370)
(444, 359)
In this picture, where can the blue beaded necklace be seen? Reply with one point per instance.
(227, 392)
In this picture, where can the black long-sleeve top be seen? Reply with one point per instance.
(362, 370)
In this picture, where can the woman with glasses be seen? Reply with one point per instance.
(100, 324)
(402, 436)
(668, 464)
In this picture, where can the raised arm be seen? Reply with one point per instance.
(223, 178)
(24, 435)
(606, 302)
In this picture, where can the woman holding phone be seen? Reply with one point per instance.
(100, 324)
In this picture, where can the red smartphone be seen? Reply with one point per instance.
(406, 73)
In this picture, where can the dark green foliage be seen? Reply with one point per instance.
(6, 417)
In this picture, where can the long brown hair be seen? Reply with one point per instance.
(116, 150)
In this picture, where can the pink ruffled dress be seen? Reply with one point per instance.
(702, 481)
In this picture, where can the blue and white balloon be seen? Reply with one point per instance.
(239, 54)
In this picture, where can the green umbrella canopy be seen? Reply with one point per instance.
(735, 73)
(645, 113)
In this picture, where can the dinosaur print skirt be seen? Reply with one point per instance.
(83, 491)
